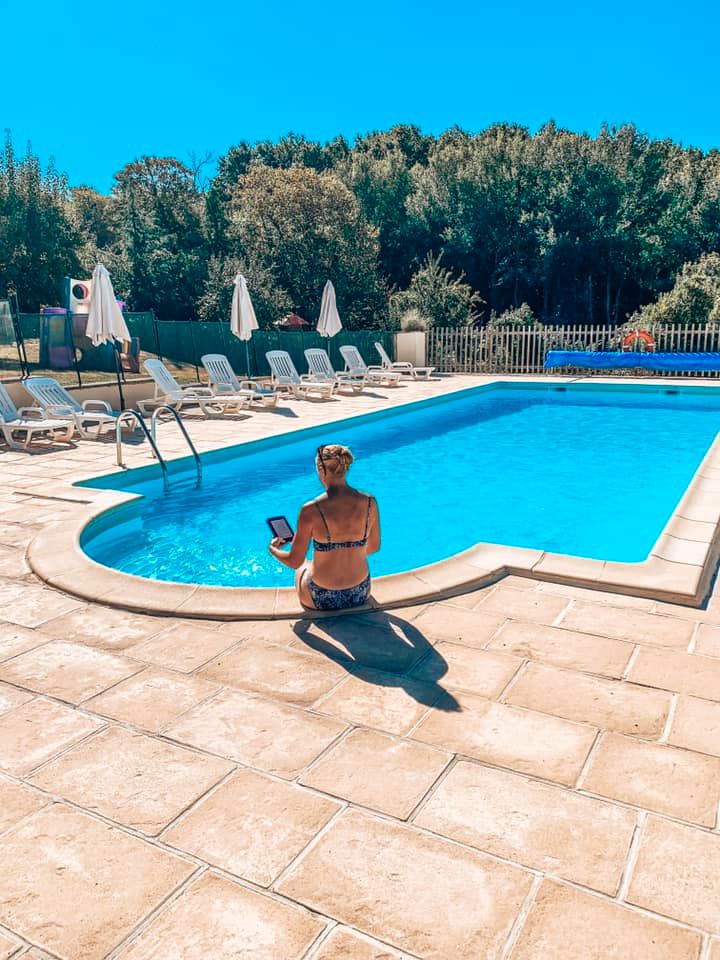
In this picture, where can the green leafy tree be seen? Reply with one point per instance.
(437, 296)
(270, 302)
(695, 298)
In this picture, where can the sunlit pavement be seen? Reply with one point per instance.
(528, 772)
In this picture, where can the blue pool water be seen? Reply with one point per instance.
(589, 470)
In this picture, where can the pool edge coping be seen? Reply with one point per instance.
(679, 568)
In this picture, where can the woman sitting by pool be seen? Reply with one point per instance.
(344, 526)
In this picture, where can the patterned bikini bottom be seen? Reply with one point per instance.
(327, 599)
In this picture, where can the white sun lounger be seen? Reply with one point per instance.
(320, 368)
(92, 418)
(404, 367)
(222, 381)
(168, 392)
(355, 365)
(31, 422)
(285, 378)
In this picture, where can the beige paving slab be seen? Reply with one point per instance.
(17, 801)
(378, 771)
(280, 672)
(525, 605)
(714, 952)
(458, 667)
(683, 672)
(183, 647)
(15, 640)
(34, 605)
(344, 944)
(68, 671)
(35, 731)
(707, 640)
(522, 740)
(11, 697)
(696, 725)
(567, 924)
(392, 882)
(13, 564)
(11, 948)
(252, 826)
(535, 824)
(132, 779)
(665, 779)
(153, 698)
(564, 648)
(637, 626)
(391, 644)
(593, 595)
(104, 627)
(373, 698)
(472, 627)
(608, 704)
(220, 920)
(64, 860)
(274, 737)
(17, 534)
(677, 874)
(283, 632)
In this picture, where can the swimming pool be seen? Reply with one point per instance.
(589, 470)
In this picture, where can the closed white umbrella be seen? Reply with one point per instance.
(105, 319)
(242, 315)
(329, 323)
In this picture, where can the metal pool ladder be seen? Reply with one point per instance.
(151, 436)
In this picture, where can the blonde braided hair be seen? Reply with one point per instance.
(334, 459)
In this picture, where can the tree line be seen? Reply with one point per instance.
(499, 226)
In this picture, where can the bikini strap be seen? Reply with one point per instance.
(327, 528)
(367, 518)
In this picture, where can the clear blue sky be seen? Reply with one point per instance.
(98, 84)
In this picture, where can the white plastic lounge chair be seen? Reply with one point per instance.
(285, 378)
(355, 364)
(403, 367)
(169, 392)
(320, 368)
(92, 418)
(222, 381)
(31, 422)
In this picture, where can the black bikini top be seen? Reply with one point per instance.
(323, 546)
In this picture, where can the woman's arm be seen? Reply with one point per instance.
(373, 542)
(295, 556)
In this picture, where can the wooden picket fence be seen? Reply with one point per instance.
(523, 349)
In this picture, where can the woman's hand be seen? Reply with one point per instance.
(275, 548)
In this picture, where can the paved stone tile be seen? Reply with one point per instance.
(472, 627)
(220, 920)
(15, 640)
(714, 953)
(33, 605)
(683, 672)
(17, 801)
(282, 632)
(17, 534)
(271, 736)
(522, 740)
(564, 648)
(680, 783)
(392, 644)
(566, 924)
(183, 647)
(535, 824)
(677, 874)
(9, 947)
(464, 668)
(528, 606)
(67, 671)
(696, 725)
(707, 640)
(344, 944)
(593, 596)
(378, 771)
(104, 627)
(32, 733)
(13, 564)
(372, 698)
(153, 698)
(283, 673)
(130, 778)
(609, 704)
(638, 626)
(10, 697)
(77, 886)
(393, 882)
(252, 825)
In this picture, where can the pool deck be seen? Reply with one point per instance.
(528, 771)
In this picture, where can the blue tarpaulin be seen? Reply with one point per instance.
(614, 360)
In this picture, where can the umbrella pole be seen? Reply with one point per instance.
(247, 361)
(119, 378)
